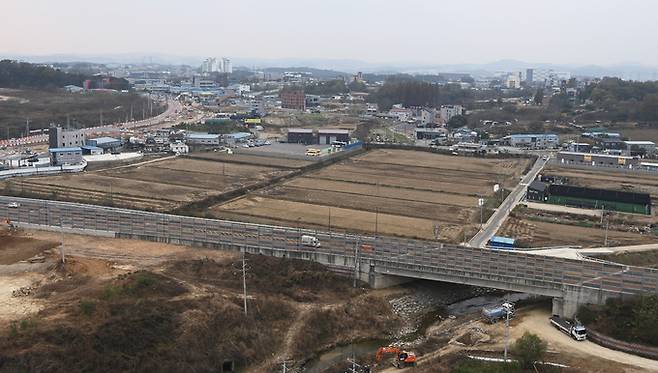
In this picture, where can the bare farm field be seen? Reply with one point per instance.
(538, 228)
(390, 192)
(159, 186)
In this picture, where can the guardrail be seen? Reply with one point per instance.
(419, 258)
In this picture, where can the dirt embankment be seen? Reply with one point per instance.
(185, 305)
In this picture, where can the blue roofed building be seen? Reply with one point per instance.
(65, 156)
(91, 150)
(105, 143)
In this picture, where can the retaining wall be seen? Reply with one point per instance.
(615, 344)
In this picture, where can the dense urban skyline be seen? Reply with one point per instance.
(416, 32)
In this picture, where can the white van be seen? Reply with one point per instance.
(310, 241)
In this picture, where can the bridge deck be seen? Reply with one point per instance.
(407, 257)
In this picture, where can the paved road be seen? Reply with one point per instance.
(412, 258)
(496, 220)
(173, 107)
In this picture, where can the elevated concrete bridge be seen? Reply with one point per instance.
(380, 261)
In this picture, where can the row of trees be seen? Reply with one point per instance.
(631, 320)
(624, 100)
(15, 74)
(417, 93)
(26, 75)
(334, 87)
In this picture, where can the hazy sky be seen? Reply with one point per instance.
(599, 32)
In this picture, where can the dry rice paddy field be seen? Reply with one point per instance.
(544, 234)
(162, 185)
(390, 192)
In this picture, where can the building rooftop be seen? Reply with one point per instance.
(239, 135)
(337, 131)
(596, 155)
(538, 185)
(524, 135)
(199, 136)
(65, 150)
(640, 143)
(300, 130)
(89, 147)
(104, 140)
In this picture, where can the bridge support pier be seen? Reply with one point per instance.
(380, 281)
(573, 297)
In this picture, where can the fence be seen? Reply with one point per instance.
(35, 171)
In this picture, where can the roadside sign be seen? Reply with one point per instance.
(496, 188)
(480, 201)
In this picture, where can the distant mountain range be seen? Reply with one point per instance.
(634, 71)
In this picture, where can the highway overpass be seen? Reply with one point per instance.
(382, 262)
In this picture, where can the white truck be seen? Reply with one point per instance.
(576, 330)
(311, 241)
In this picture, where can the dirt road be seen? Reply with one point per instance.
(536, 321)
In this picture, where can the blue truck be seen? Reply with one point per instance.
(493, 314)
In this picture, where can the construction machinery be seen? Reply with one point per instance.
(12, 227)
(402, 358)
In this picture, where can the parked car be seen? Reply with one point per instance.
(13, 205)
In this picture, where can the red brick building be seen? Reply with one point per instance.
(293, 98)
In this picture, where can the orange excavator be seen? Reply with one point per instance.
(402, 358)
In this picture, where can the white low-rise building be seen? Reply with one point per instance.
(449, 111)
(179, 148)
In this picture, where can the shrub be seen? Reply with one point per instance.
(586, 315)
(110, 292)
(528, 349)
(87, 307)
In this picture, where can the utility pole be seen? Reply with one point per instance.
(376, 221)
(481, 204)
(61, 230)
(607, 225)
(356, 262)
(27, 127)
(329, 223)
(244, 280)
(101, 117)
(506, 334)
